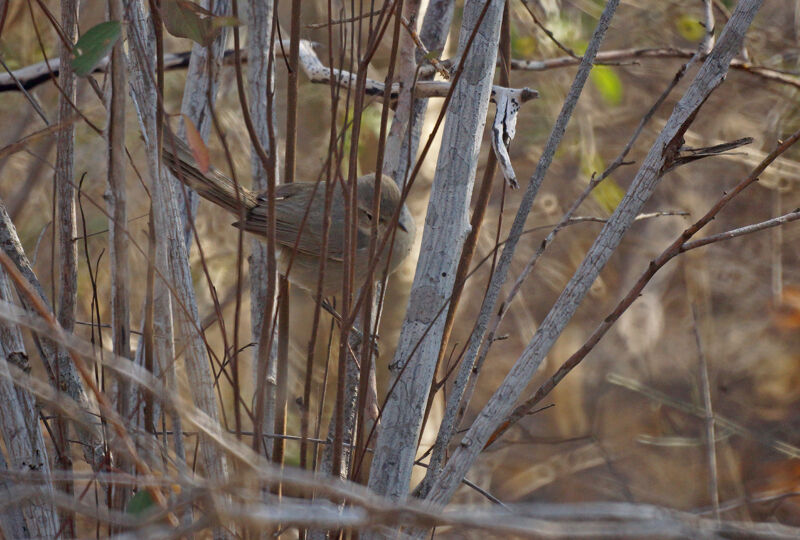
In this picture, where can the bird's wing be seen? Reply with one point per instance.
(291, 204)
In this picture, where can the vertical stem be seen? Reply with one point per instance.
(66, 232)
(711, 446)
(118, 239)
(283, 293)
(260, 75)
(446, 225)
(467, 253)
(776, 248)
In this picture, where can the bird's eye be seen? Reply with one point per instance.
(369, 216)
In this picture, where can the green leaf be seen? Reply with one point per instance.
(608, 194)
(140, 503)
(94, 45)
(523, 46)
(690, 28)
(188, 20)
(608, 84)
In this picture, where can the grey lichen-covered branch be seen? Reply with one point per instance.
(172, 257)
(310, 63)
(664, 149)
(19, 427)
(446, 225)
(454, 402)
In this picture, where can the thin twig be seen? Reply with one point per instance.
(680, 245)
(705, 388)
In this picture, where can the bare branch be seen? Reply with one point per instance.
(446, 225)
(504, 263)
(661, 154)
(680, 245)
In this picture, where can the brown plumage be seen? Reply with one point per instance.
(296, 202)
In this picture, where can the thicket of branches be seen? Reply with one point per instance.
(590, 181)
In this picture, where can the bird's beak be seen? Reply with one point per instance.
(402, 227)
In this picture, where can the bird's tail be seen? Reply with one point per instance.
(212, 185)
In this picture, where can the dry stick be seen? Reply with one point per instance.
(705, 389)
(233, 353)
(145, 42)
(351, 221)
(378, 511)
(316, 26)
(467, 253)
(190, 207)
(265, 162)
(434, 31)
(763, 72)
(145, 353)
(406, 79)
(168, 221)
(458, 408)
(19, 422)
(146, 46)
(741, 231)
(661, 155)
(708, 38)
(776, 248)
(116, 199)
(116, 422)
(361, 388)
(726, 425)
(488, 306)
(403, 55)
(435, 28)
(413, 138)
(369, 322)
(435, 274)
(342, 406)
(312, 341)
(680, 245)
(266, 400)
(335, 156)
(66, 230)
(263, 268)
(333, 176)
(479, 209)
(30, 98)
(36, 74)
(201, 82)
(290, 159)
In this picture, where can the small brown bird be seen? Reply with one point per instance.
(293, 203)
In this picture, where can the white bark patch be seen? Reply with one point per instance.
(507, 102)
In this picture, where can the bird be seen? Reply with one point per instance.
(299, 220)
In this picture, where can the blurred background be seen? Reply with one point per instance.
(627, 425)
